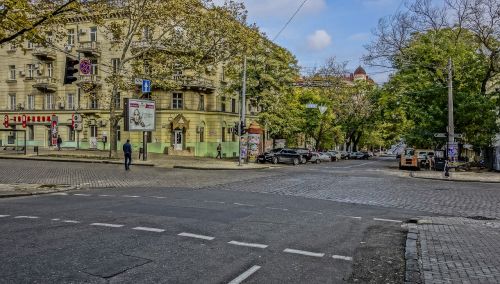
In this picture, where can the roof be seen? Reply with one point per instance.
(360, 71)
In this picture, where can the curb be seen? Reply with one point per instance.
(72, 160)
(412, 271)
(21, 194)
(451, 179)
(217, 169)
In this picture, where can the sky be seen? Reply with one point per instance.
(323, 28)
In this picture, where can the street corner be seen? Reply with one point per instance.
(17, 190)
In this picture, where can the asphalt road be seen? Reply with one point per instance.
(328, 223)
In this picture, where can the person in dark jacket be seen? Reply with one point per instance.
(127, 151)
(59, 142)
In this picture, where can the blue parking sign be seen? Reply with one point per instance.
(146, 86)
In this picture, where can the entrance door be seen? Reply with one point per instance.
(177, 139)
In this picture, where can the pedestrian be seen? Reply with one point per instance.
(219, 152)
(127, 151)
(59, 142)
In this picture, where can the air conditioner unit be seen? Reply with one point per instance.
(21, 73)
(37, 66)
(83, 31)
(102, 123)
(61, 105)
(68, 48)
(39, 72)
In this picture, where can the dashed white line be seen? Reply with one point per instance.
(158, 197)
(352, 217)
(303, 252)
(184, 234)
(131, 196)
(56, 219)
(71, 221)
(314, 212)
(106, 195)
(252, 245)
(387, 220)
(106, 225)
(245, 275)
(149, 229)
(3, 216)
(276, 208)
(243, 204)
(26, 217)
(341, 257)
(211, 201)
(81, 194)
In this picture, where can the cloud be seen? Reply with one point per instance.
(319, 40)
(359, 37)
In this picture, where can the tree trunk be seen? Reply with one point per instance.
(113, 123)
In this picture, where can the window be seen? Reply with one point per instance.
(93, 131)
(12, 101)
(49, 101)
(31, 71)
(94, 104)
(31, 102)
(95, 69)
(70, 101)
(31, 133)
(223, 104)
(202, 134)
(71, 134)
(118, 133)
(71, 36)
(117, 101)
(93, 34)
(115, 63)
(201, 105)
(29, 45)
(49, 37)
(50, 69)
(12, 72)
(177, 100)
(223, 136)
(233, 105)
(146, 33)
(177, 74)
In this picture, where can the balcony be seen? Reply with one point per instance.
(44, 53)
(197, 83)
(89, 79)
(89, 48)
(45, 84)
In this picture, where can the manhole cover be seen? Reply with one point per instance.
(480, 218)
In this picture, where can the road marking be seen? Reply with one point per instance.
(314, 212)
(106, 225)
(2, 216)
(243, 204)
(106, 195)
(71, 221)
(353, 217)
(276, 208)
(59, 193)
(388, 220)
(159, 197)
(149, 229)
(245, 275)
(56, 219)
(196, 236)
(26, 217)
(252, 245)
(81, 194)
(218, 202)
(303, 252)
(131, 196)
(348, 258)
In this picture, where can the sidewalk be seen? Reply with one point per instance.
(15, 190)
(156, 160)
(459, 176)
(458, 250)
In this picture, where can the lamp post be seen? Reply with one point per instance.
(242, 114)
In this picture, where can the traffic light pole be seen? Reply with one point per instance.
(242, 114)
(451, 126)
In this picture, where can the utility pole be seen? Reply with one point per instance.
(242, 114)
(451, 126)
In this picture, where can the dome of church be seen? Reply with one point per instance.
(360, 71)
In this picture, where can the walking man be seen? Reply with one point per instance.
(127, 151)
(219, 152)
(59, 142)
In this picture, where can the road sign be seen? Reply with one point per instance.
(440, 135)
(322, 109)
(138, 81)
(311, 106)
(146, 86)
(85, 66)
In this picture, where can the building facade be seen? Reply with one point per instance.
(192, 120)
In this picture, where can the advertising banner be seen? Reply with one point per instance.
(140, 115)
(253, 146)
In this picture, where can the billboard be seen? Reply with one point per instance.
(140, 115)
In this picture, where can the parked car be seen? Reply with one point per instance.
(315, 158)
(335, 155)
(344, 155)
(280, 155)
(324, 157)
(305, 154)
(359, 155)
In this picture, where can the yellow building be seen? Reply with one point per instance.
(192, 120)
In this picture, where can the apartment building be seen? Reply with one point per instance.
(192, 120)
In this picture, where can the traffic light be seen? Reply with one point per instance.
(24, 121)
(70, 70)
(6, 121)
(243, 128)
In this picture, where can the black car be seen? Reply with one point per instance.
(280, 156)
(305, 154)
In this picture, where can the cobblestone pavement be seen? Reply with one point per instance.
(87, 175)
(460, 250)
